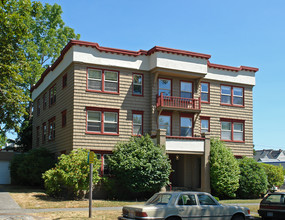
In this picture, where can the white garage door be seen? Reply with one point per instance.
(4, 172)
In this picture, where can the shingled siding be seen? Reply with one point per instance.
(124, 101)
(64, 101)
(216, 111)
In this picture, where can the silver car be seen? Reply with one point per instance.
(184, 205)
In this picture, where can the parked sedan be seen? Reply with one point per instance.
(184, 205)
(273, 206)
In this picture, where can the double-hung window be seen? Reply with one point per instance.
(44, 133)
(205, 97)
(231, 95)
(104, 168)
(137, 84)
(164, 122)
(39, 106)
(45, 101)
(51, 129)
(205, 124)
(103, 80)
(63, 118)
(102, 121)
(186, 90)
(186, 125)
(64, 81)
(52, 95)
(137, 123)
(164, 86)
(232, 130)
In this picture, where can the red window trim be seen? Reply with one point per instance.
(166, 79)
(208, 93)
(50, 121)
(63, 122)
(232, 129)
(64, 79)
(138, 113)
(38, 136)
(43, 133)
(102, 153)
(232, 96)
(186, 115)
(166, 113)
(102, 81)
(187, 81)
(52, 97)
(102, 110)
(133, 84)
(205, 118)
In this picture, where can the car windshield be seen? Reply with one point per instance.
(159, 199)
(274, 198)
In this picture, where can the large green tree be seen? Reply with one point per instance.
(32, 36)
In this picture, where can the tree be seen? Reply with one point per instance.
(253, 179)
(139, 166)
(274, 174)
(3, 140)
(224, 170)
(70, 177)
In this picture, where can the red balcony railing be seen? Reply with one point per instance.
(172, 102)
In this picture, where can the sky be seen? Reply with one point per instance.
(243, 32)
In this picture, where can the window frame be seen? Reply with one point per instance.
(206, 119)
(142, 84)
(232, 122)
(232, 96)
(186, 115)
(102, 119)
(170, 85)
(165, 113)
(103, 81)
(102, 154)
(135, 112)
(52, 98)
(64, 81)
(51, 133)
(44, 132)
(63, 118)
(208, 93)
(38, 107)
(38, 136)
(44, 100)
(192, 88)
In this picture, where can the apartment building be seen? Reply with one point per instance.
(93, 97)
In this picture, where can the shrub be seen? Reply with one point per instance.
(224, 170)
(70, 177)
(140, 168)
(274, 174)
(27, 169)
(253, 179)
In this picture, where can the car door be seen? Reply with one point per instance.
(187, 207)
(210, 209)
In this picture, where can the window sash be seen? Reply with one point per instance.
(165, 123)
(110, 124)
(186, 90)
(186, 126)
(110, 83)
(164, 88)
(226, 133)
(137, 124)
(205, 92)
(137, 84)
(204, 125)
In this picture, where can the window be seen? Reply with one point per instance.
(52, 95)
(44, 133)
(164, 86)
(137, 84)
(63, 118)
(39, 106)
(187, 200)
(104, 169)
(231, 95)
(102, 121)
(206, 200)
(232, 130)
(103, 80)
(45, 101)
(51, 129)
(64, 81)
(205, 88)
(186, 125)
(137, 123)
(38, 137)
(164, 122)
(186, 90)
(205, 124)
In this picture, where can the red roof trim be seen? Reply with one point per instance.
(136, 53)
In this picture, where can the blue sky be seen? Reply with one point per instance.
(243, 32)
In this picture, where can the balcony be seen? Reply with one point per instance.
(178, 103)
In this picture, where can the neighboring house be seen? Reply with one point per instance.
(274, 157)
(93, 96)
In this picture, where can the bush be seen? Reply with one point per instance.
(253, 179)
(70, 177)
(27, 169)
(224, 170)
(140, 168)
(274, 174)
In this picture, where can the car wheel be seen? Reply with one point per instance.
(238, 217)
(173, 218)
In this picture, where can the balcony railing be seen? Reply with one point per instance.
(171, 102)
